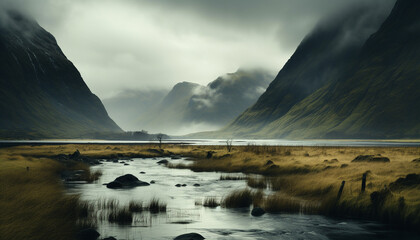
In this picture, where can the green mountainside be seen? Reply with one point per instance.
(371, 91)
(42, 95)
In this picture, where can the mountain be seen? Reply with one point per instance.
(192, 107)
(129, 105)
(366, 91)
(169, 113)
(226, 97)
(42, 95)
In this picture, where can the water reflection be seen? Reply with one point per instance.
(183, 215)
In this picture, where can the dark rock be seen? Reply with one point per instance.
(87, 234)
(411, 180)
(178, 185)
(114, 185)
(126, 181)
(109, 238)
(417, 160)
(257, 211)
(75, 155)
(269, 162)
(344, 165)
(189, 236)
(115, 160)
(210, 154)
(142, 172)
(164, 161)
(370, 158)
(274, 166)
(175, 157)
(126, 164)
(331, 161)
(184, 185)
(152, 182)
(196, 185)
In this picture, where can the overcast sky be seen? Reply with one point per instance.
(136, 44)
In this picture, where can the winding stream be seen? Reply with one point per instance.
(184, 216)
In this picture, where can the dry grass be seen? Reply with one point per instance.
(211, 202)
(32, 203)
(256, 182)
(134, 206)
(155, 206)
(242, 198)
(120, 216)
(233, 177)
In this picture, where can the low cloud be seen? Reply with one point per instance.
(139, 44)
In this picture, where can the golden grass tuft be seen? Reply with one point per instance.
(242, 198)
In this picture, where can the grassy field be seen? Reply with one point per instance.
(304, 179)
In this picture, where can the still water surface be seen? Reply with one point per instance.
(184, 216)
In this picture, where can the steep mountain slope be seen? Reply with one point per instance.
(323, 56)
(191, 107)
(41, 93)
(381, 97)
(376, 94)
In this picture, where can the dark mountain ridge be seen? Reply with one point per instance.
(321, 58)
(375, 94)
(42, 94)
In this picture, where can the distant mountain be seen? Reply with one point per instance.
(42, 95)
(191, 107)
(127, 107)
(169, 113)
(366, 91)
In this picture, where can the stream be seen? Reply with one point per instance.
(183, 215)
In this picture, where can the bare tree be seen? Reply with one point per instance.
(229, 144)
(159, 137)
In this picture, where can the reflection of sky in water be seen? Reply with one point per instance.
(184, 216)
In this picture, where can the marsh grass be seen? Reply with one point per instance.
(120, 216)
(155, 206)
(241, 198)
(134, 206)
(257, 182)
(233, 177)
(211, 202)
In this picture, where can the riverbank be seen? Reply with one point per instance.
(305, 179)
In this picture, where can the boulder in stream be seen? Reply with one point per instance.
(87, 234)
(257, 211)
(189, 236)
(164, 161)
(126, 181)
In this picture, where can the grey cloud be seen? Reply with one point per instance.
(139, 44)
